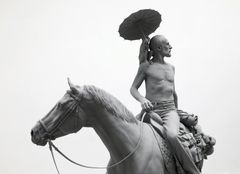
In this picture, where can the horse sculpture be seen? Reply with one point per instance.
(119, 130)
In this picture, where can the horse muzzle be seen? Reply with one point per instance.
(39, 135)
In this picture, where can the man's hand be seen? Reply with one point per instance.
(146, 105)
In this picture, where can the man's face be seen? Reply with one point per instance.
(165, 48)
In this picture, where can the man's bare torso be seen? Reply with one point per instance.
(159, 81)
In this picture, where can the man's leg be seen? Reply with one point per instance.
(171, 128)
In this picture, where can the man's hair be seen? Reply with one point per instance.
(154, 42)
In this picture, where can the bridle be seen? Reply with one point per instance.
(52, 146)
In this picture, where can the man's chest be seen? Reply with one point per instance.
(160, 73)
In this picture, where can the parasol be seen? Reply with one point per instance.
(140, 24)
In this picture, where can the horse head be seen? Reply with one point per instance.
(66, 117)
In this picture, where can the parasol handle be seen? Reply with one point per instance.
(143, 34)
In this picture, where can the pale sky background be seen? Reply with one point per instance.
(42, 42)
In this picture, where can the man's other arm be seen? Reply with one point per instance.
(140, 77)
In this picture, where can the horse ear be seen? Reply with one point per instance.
(72, 86)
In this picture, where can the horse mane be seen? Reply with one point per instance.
(110, 103)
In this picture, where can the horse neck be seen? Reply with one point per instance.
(119, 136)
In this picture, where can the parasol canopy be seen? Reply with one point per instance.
(140, 24)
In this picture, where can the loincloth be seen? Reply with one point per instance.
(163, 107)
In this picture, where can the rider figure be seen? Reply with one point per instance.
(161, 96)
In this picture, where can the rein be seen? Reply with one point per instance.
(51, 146)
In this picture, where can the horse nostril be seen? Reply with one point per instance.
(32, 133)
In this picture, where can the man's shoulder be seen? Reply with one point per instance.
(171, 66)
(144, 66)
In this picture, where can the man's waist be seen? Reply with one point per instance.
(163, 105)
(162, 102)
